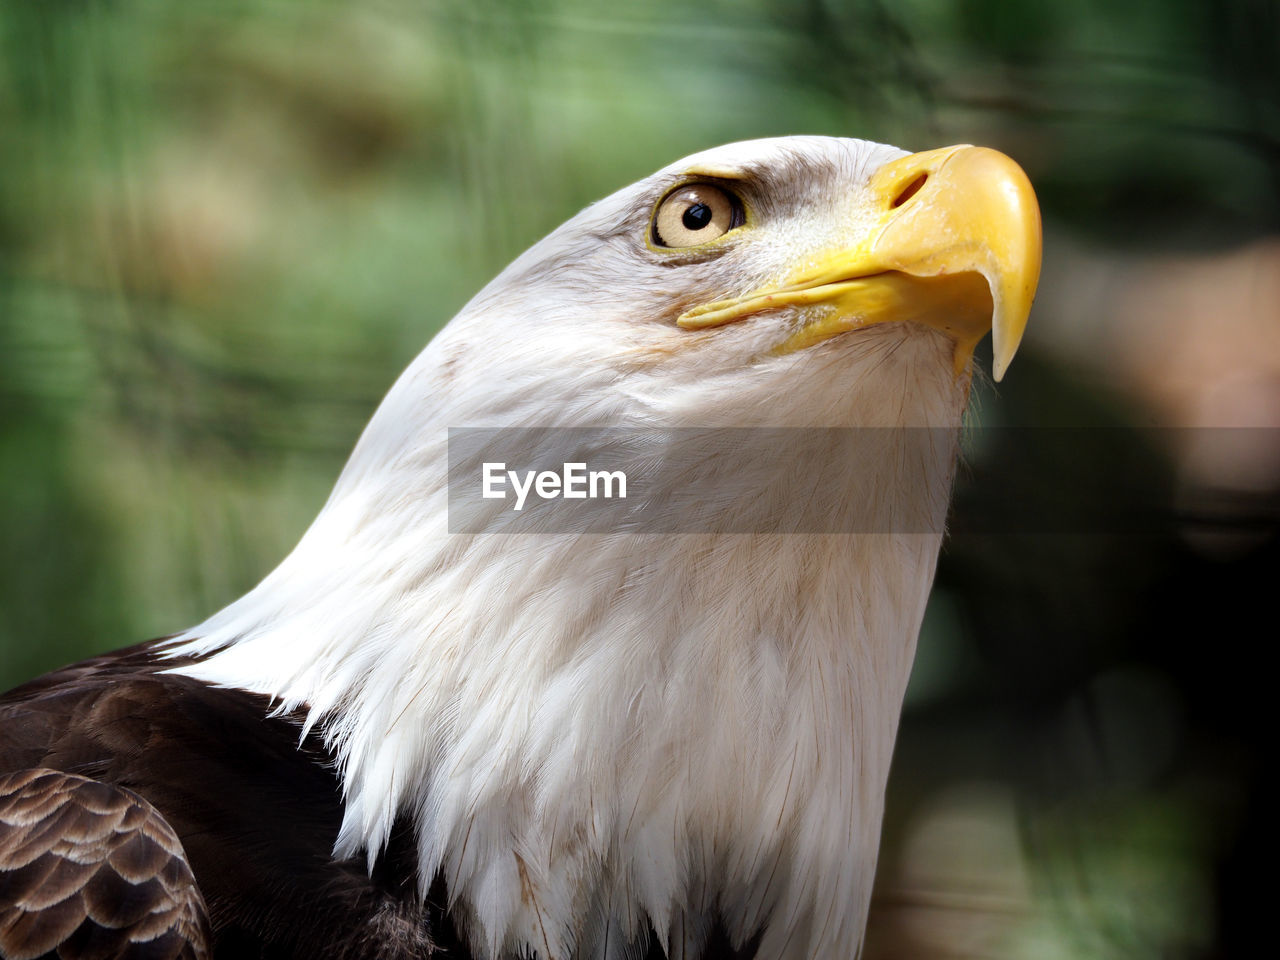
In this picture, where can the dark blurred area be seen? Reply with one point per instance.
(226, 227)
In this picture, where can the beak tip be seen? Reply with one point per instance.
(1003, 349)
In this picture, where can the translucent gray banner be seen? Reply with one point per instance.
(866, 480)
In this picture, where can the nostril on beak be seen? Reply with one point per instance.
(910, 190)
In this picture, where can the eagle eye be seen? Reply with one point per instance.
(694, 214)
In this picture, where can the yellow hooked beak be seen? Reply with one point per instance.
(957, 248)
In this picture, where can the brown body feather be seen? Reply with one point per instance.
(230, 790)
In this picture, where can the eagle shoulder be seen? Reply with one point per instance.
(248, 804)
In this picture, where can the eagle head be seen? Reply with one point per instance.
(610, 737)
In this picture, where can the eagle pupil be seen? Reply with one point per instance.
(696, 217)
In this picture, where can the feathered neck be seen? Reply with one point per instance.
(598, 734)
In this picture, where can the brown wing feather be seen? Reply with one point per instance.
(94, 872)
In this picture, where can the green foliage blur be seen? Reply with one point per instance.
(225, 227)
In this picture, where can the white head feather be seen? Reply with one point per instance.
(600, 733)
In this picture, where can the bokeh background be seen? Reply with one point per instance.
(225, 227)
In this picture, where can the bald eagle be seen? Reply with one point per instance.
(411, 740)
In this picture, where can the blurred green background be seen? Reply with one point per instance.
(225, 227)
